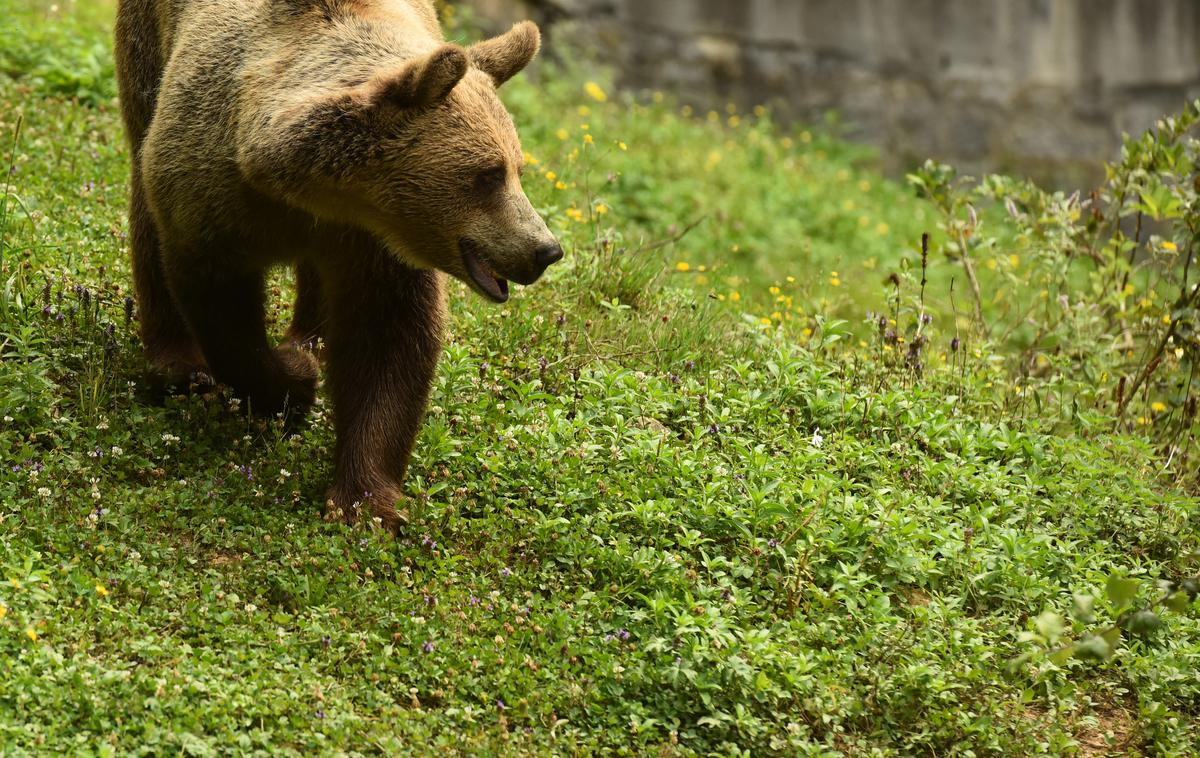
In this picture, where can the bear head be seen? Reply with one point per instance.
(427, 157)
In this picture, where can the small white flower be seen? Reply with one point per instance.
(44, 491)
(116, 450)
(284, 473)
(817, 439)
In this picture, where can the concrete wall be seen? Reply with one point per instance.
(1040, 87)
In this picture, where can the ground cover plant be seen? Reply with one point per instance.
(749, 474)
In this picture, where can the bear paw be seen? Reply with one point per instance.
(180, 371)
(378, 511)
(290, 386)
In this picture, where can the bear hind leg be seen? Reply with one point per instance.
(308, 311)
(226, 314)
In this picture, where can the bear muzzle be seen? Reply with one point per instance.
(492, 284)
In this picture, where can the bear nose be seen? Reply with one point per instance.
(547, 255)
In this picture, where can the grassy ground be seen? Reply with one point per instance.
(643, 520)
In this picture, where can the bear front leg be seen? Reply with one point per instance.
(169, 345)
(224, 310)
(383, 337)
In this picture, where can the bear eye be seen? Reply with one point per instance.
(491, 179)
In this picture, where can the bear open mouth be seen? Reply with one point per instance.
(484, 277)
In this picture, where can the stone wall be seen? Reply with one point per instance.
(1039, 87)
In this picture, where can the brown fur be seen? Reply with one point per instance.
(345, 137)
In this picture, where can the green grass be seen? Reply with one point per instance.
(642, 521)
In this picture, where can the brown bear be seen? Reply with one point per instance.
(345, 137)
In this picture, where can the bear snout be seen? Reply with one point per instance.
(546, 256)
(536, 264)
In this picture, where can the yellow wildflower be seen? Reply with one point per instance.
(560, 185)
(735, 296)
(1166, 319)
(713, 117)
(683, 267)
(623, 146)
(735, 122)
(1170, 246)
(562, 134)
(32, 635)
(3, 611)
(101, 590)
(530, 159)
(1158, 407)
(773, 290)
(601, 209)
(1014, 260)
(588, 140)
(551, 176)
(883, 229)
(595, 92)
(702, 268)
(765, 321)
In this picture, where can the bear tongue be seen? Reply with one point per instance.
(483, 275)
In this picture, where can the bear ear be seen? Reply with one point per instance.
(423, 81)
(504, 56)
